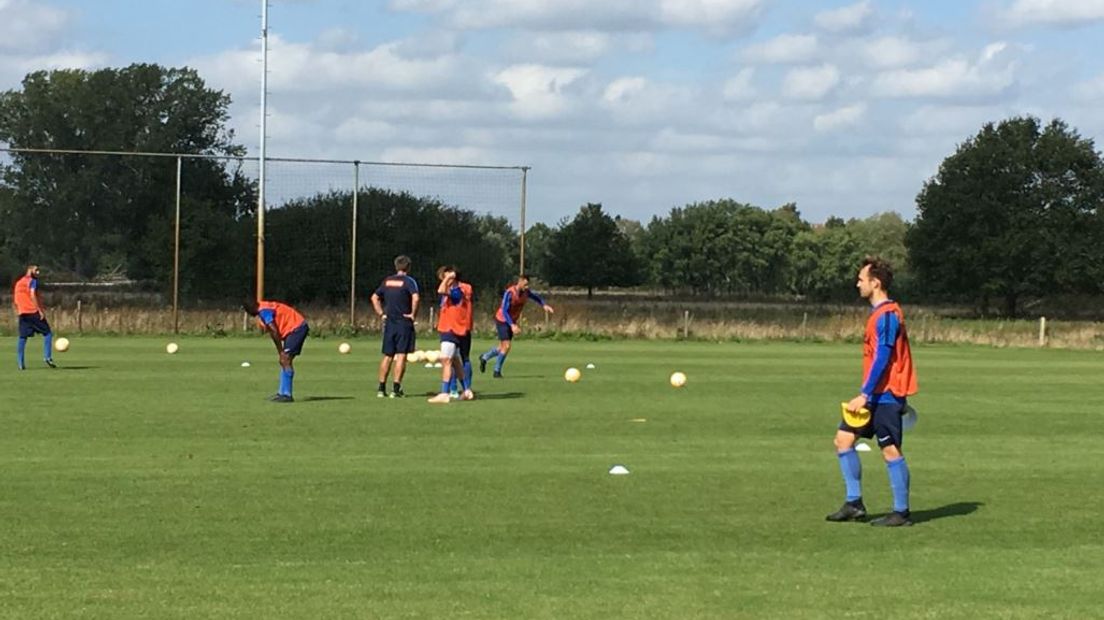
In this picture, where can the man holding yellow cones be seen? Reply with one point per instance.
(889, 378)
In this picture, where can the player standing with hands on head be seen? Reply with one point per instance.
(454, 325)
(396, 302)
(889, 378)
(288, 330)
(506, 322)
(32, 319)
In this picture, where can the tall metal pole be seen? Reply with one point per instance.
(264, 144)
(353, 253)
(521, 253)
(176, 254)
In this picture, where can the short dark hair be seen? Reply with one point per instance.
(879, 269)
(402, 262)
(523, 276)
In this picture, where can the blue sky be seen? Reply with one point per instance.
(842, 107)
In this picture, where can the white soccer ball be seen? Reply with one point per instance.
(678, 379)
(432, 356)
(344, 348)
(572, 375)
(171, 348)
(62, 344)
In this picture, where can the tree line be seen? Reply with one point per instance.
(1015, 213)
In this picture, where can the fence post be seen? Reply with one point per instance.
(353, 253)
(176, 254)
(521, 236)
(1042, 331)
(685, 324)
(804, 325)
(80, 319)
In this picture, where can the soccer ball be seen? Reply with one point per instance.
(432, 356)
(344, 348)
(572, 375)
(416, 356)
(678, 379)
(62, 344)
(171, 348)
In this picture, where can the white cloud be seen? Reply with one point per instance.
(574, 47)
(1090, 90)
(784, 49)
(848, 116)
(639, 101)
(740, 87)
(302, 67)
(810, 83)
(14, 68)
(462, 155)
(714, 16)
(1065, 13)
(991, 75)
(538, 90)
(30, 26)
(847, 19)
(887, 52)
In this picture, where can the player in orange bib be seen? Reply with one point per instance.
(454, 324)
(32, 319)
(889, 378)
(288, 330)
(506, 322)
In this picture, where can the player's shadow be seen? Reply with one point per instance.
(957, 509)
(316, 399)
(499, 396)
(76, 367)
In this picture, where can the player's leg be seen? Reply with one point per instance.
(47, 343)
(503, 350)
(388, 349)
(504, 333)
(448, 353)
(851, 470)
(465, 363)
(25, 331)
(889, 431)
(293, 347)
(404, 346)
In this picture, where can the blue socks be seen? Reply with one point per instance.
(445, 385)
(899, 483)
(48, 346)
(286, 375)
(851, 468)
(466, 383)
(486, 357)
(500, 362)
(19, 350)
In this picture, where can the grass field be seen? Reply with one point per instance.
(138, 484)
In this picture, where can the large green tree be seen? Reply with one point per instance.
(91, 214)
(1015, 212)
(591, 250)
(722, 247)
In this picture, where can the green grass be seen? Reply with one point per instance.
(138, 484)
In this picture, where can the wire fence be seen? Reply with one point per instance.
(186, 231)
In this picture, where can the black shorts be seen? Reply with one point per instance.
(885, 425)
(398, 337)
(293, 344)
(31, 324)
(504, 331)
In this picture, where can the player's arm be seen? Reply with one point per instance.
(540, 302)
(507, 301)
(446, 284)
(888, 327)
(415, 299)
(34, 298)
(377, 305)
(268, 319)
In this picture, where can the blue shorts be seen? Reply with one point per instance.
(884, 425)
(293, 344)
(504, 331)
(398, 337)
(31, 324)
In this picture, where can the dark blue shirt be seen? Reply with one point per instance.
(396, 294)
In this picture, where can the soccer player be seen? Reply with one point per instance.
(888, 380)
(506, 322)
(288, 330)
(454, 325)
(32, 319)
(396, 302)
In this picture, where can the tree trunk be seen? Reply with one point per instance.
(1010, 300)
(590, 292)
